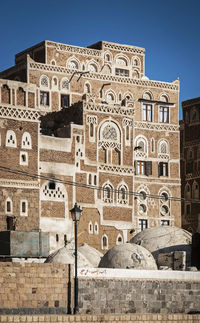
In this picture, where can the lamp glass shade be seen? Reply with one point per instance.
(76, 213)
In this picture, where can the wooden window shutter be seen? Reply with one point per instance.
(167, 168)
(135, 172)
(148, 168)
(159, 169)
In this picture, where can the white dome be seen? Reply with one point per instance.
(129, 256)
(164, 239)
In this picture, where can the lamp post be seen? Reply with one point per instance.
(76, 214)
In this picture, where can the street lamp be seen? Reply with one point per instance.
(76, 214)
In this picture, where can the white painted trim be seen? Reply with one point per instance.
(134, 274)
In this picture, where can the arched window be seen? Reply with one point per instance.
(72, 64)
(121, 61)
(65, 84)
(44, 81)
(107, 58)
(54, 82)
(163, 147)
(87, 88)
(5, 94)
(122, 194)
(104, 242)
(90, 228)
(195, 190)
(110, 97)
(108, 193)
(53, 62)
(164, 98)
(96, 228)
(152, 145)
(119, 239)
(141, 146)
(147, 96)
(187, 191)
(26, 141)
(92, 68)
(11, 140)
(8, 206)
(24, 208)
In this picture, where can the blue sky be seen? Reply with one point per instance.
(168, 30)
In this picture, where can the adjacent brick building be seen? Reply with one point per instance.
(190, 163)
(105, 126)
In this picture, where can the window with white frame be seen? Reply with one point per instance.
(96, 228)
(23, 158)
(55, 83)
(164, 222)
(44, 98)
(87, 88)
(164, 114)
(110, 97)
(24, 208)
(53, 62)
(90, 228)
(11, 140)
(108, 193)
(122, 194)
(147, 112)
(26, 141)
(92, 68)
(72, 65)
(119, 240)
(163, 147)
(107, 58)
(44, 81)
(121, 61)
(147, 96)
(8, 206)
(64, 84)
(152, 145)
(104, 242)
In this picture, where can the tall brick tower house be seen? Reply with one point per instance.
(91, 128)
(190, 163)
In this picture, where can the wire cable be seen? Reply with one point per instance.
(89, 186)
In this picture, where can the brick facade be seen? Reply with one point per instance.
(118, 138)
(190, 163)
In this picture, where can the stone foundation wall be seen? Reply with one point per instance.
(121, 296)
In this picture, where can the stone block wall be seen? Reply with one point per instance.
(34, 288)
(103, 296)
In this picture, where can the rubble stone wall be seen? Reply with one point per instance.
(122, 296)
